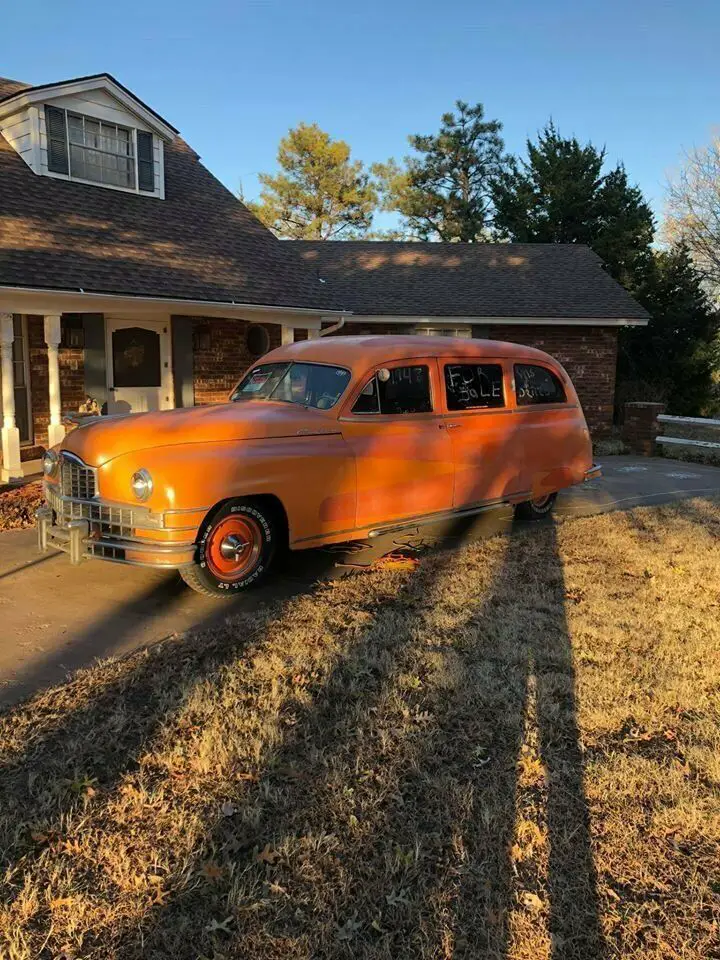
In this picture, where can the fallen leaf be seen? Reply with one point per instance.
(219, 926)
(228, 809)
(348, 929)
(267, 855)
(532, 901)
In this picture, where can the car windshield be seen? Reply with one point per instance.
(311, 384)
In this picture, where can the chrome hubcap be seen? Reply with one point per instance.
(232, 547)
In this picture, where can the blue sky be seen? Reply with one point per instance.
(640, 76)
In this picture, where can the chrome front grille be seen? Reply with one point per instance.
(105, 520)
(76, 479)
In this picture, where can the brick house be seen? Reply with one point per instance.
(556, 297)
(129, 274)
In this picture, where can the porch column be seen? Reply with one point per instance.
(287, 335)
(10, 435)
(56, 431)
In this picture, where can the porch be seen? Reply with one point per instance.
(126, 355)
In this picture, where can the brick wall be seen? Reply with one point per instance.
(72, 381)
(221, 356)
(589, 354)
(641, 427)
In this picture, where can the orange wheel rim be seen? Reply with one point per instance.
(234, 547)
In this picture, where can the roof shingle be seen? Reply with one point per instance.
(200, 243)
(479, 280)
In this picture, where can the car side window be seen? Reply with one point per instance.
(396, 391)
(474, 386)
(535, 384)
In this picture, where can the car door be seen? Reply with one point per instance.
(403, 454)
(552, 427)
(480, 423)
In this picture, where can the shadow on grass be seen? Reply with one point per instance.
(97, 727)
(389, 805)
(428, 801)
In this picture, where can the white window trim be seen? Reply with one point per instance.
(156, 193)
(444, 330)
(133, 141)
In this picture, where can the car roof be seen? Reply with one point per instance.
(361, 353)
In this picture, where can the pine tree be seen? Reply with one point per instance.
(674, 358)
(320, 194)
(561, 195)
(445, 191)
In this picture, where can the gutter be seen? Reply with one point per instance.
(334, 328)
(504, 321)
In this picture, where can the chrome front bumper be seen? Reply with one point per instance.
(87, 529)
(593, 473)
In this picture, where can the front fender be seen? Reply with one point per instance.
(313, 477)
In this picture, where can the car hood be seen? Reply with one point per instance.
(105, 438)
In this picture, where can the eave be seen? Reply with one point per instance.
(42, 301)
(102, 81)
(509, 321)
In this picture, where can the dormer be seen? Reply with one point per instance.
(92, 130)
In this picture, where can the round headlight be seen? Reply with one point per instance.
(50, 463)
(142, 484)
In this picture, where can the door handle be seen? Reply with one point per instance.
(451, 426)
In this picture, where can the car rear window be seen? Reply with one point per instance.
(535, 384)
(396, 391)
(473, 386)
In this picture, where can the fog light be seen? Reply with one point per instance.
(142, 484)
(50, 463)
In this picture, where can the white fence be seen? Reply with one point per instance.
(690, 438)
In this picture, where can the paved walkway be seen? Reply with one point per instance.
(55, 618)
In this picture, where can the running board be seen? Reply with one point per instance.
(448, 515)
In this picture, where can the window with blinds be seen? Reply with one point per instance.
(89, 149)
(100, 151)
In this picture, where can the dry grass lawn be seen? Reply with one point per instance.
(512, 751)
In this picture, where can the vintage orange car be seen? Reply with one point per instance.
(325, 441)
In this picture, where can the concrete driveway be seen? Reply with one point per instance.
(55, 618)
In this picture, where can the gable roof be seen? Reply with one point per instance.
(200, 243)
(29, 95)
(469, 280)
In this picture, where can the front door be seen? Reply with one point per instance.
(138, 366)
(403, 454)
